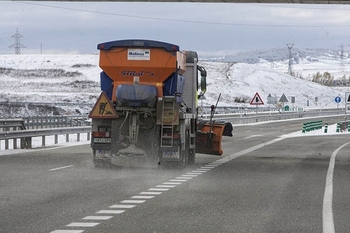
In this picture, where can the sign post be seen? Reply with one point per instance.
(337, 100)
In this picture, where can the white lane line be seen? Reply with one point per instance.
(173, 183)
(253, 136)
(59, 168)
(327, 210)
(182, 178)
(83, 224)
(133, 201)
(97, 217)
(150, 193)
(122, 206)
(142, 197)
(67, 231)
(110, 211)
(185, 175)
(158, 189)
(165, 186)
(192, 173)
(199, 171)
(186, 178)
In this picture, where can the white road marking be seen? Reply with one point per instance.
(253, 136)
(67, 231)
(188, 175)
(327, 210)
(98, 217)
(133, 201)
(122, 206)
(199, 171)
(59, 168)
(165, 186)
(158, 189)
(205, 168)
(142, 197)
(174, 183)
(182, 177)
(110, 211)
(150, 193)
(83, 224)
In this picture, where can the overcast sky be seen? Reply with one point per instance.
(208, 28)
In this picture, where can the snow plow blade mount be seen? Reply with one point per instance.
(209, 137)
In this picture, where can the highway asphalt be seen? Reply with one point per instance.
(262, 183)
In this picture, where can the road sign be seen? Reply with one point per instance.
(256, 100)
(103, 108)
(337, 99)
(347, 97)
(283, 99)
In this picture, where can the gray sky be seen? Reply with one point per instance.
(208, 28)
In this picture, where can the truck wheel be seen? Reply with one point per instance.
(101, 163)
(191, 156)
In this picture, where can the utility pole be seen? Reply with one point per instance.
(17, 45)
(290, 46)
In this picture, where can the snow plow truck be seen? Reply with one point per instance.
(146, 114)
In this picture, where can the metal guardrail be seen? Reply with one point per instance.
(26, 135)
(261, 117)
(48, 125)
(12, 123)
(40, 122)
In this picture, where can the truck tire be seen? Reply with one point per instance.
(101, 163)
(191, 156)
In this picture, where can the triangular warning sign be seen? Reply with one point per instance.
(347, 97)
(103, 108)
(283, 99)
(256, 100)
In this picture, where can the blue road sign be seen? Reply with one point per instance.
(337, 99)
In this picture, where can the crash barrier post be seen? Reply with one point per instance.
(343, 126)
(311, 125)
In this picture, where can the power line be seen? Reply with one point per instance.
(187, 21)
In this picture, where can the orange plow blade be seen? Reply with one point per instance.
(209, 137)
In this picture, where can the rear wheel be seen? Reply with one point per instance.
(101, 162)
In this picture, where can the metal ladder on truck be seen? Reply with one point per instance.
(168, 118)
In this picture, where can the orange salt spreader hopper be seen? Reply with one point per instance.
(148, 62)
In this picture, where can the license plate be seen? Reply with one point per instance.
(170, 155)
(102, 140)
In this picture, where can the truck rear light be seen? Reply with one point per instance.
(101, 134)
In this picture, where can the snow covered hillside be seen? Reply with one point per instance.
(74, 79)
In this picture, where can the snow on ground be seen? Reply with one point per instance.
(75, 78)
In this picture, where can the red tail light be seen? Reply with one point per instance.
(101, 134)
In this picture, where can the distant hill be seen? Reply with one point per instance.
(281, 54)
